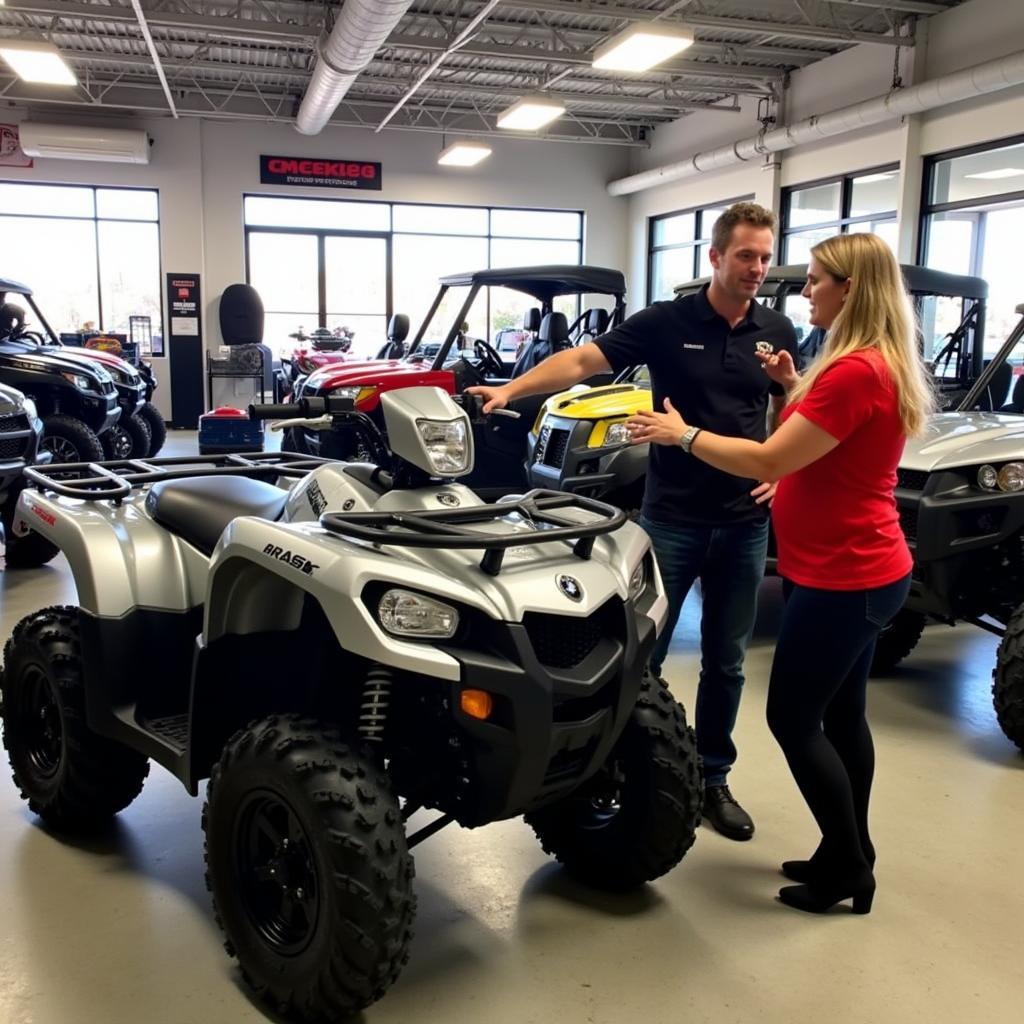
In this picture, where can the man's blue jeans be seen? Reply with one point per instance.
(729, 561)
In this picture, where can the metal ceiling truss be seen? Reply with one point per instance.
(450, 66)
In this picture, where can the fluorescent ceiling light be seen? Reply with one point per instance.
(464, 154)
(531, 113)
(869, 178)
(642, 46)
(1001, 172)
(35, 60)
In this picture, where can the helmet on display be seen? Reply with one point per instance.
(12, 319)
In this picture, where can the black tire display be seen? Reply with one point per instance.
(308, 866)
(1008, 680)
(70, 440)
(127, 439)
(897, 640)
(71, 778)
(636, 819)
(157, 427)
(28, 552)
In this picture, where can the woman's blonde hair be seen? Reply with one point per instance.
(877, 314)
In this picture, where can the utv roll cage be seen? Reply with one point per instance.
(8, 287)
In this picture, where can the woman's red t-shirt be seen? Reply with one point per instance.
(836, 521)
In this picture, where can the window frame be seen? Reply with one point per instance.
(699, 238)
(842, 224)
(95, 219)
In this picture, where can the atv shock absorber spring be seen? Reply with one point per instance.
(373, 711)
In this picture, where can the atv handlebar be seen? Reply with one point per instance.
(303, 409)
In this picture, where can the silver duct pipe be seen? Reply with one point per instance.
(360, 31)
(979, 80)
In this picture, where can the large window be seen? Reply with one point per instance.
(332, 263)
(973, 221)
(90, 255)
(679, 244)
(863, 202)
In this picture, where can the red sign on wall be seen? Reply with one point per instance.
(325, 173)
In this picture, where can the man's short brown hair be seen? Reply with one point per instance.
(740, 213)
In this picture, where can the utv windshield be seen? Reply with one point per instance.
(1000, 388)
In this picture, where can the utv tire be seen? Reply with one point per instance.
(150, 414)
(72, 778)
(1008, 684)
(897, 640)
(70, 440)
(127, 439)
(28, 552)
(636, 819)
(308, 866)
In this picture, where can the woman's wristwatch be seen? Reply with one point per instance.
(687, 438)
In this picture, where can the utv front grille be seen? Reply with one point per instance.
(554, 450)
(562, 641)
(13, 447)
(911, 479)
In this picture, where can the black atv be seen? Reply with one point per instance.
(20, 434)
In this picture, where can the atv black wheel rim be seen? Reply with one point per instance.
(62, 449)
(43, 730)
(120, 443)
(277, 873)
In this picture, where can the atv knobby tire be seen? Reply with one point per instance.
(636, 819)
(1008, 680)
(28, 552)
(70, 440)
(127, 439)
(70, 776)
(157, 427)
(308, 866)
(897, 640)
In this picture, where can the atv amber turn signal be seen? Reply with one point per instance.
(477, 704)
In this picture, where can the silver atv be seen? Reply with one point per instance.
(960, 491)
(337, 646)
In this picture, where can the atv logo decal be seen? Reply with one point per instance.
(48, 518)
(316, 499)
(571, 587)
(298, 561)
(764, 348)
(350, 503)
(449, 499)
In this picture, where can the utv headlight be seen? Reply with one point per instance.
(638, 581)
(445, 441)
(988, 478)
(356, 394)
(616, 434)
(1011, 477)
(608, 435)
(405, 613)
(79, 381)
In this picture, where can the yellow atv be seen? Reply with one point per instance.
(579, 443)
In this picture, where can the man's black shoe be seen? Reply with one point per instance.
(725, 815)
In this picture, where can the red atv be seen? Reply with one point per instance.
(453, 360)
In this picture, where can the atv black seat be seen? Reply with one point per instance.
(398, 328)
(597, 321)
(199, 509)
(531, 320)
(1016, 403)
(552, 337)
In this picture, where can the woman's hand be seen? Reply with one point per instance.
(656, 427)
(779, 367)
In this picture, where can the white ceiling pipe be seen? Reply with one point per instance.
(979, 80)
(360, 31)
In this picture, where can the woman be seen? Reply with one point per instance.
(844, 561)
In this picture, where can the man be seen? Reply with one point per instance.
(702, 351)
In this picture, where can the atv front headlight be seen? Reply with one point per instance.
(988, 478)
(405, 613)
(445, 441)
(79, 381)
(1011, 477)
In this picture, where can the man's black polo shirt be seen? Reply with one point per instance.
(715, 380)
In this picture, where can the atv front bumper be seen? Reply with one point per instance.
(559, 458)
(554, 725)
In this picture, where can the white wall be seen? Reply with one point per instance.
(974, 32)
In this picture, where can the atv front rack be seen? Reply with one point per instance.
(114, 480)
(441, 528)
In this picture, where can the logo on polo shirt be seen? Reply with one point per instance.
(764, 348)
(690, 344)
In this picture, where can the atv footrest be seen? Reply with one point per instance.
(171, 729)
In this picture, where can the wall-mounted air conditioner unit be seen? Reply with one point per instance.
(66, 142)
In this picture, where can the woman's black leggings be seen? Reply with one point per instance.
(816, 708)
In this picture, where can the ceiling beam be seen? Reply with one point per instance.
(717, 22)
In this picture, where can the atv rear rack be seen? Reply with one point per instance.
(114, 480)
(441, 528)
